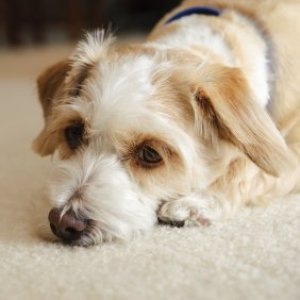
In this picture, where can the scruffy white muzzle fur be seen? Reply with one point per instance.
(185, 127)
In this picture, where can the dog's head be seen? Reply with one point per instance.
(135, 126)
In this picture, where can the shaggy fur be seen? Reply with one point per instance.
(215, 97)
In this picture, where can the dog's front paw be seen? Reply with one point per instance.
(183, 212)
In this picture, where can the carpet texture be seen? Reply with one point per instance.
(255, 255)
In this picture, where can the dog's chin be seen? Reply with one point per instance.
(94, 235)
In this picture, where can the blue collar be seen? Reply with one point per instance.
(197, 10)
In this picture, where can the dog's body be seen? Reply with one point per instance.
(201, 118)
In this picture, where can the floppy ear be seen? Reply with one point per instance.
(49, 83)
(228, 107)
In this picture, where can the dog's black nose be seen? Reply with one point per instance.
(68, 227)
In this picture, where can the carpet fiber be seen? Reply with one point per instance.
(255, 255)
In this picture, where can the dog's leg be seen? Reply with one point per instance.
(195, 209)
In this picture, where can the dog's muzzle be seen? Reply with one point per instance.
(68, 227)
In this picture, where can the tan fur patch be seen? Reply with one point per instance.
(49, 83)
(228, 106)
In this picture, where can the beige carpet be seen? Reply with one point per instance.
(255, 255)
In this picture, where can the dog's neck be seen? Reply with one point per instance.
(229, 38)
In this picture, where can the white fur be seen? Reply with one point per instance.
(96, 185)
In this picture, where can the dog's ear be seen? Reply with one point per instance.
(49, 83)
(227, 107)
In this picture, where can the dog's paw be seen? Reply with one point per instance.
(182, 212)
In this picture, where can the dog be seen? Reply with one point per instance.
(197, 121)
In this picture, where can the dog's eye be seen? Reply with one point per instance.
(74, 135)
(148, 157)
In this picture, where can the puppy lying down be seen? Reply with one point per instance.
(201, 118)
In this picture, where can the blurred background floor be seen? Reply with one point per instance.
(24, 22)
(28, 62)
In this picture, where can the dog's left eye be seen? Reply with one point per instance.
(74, 135)
(148, 157)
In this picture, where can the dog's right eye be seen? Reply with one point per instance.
(148, 157)
(74, 135)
